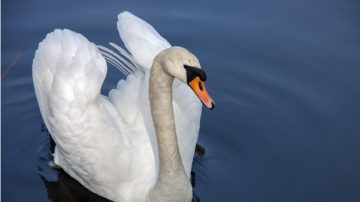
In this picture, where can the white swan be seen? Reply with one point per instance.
(124, 147)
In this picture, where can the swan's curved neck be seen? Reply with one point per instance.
(172, 180)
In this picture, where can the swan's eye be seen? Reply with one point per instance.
(200, 86)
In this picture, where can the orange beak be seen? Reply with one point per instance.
(199, 89)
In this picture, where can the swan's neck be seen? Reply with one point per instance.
(172, 180)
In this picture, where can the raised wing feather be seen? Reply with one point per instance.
(140, 38)
(93, 143)
(67, 71)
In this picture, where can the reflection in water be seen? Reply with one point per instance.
(63, 188)
(66, 189)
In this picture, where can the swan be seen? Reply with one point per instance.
(137, 143)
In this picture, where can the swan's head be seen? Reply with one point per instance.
(183, 65)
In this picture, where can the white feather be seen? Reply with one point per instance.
(140, 38)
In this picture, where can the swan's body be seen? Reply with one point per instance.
(109, 144)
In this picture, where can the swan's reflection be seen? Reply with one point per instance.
(63, 188)
(66, 189)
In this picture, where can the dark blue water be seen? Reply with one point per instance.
(285, 76)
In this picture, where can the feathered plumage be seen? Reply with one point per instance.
(108, 143)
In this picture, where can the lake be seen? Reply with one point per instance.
(285, 76)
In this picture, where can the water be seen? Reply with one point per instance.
(284, 75)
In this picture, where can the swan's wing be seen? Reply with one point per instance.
(144, 43)
(67, 66)
(140, 39)
(93, 144)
